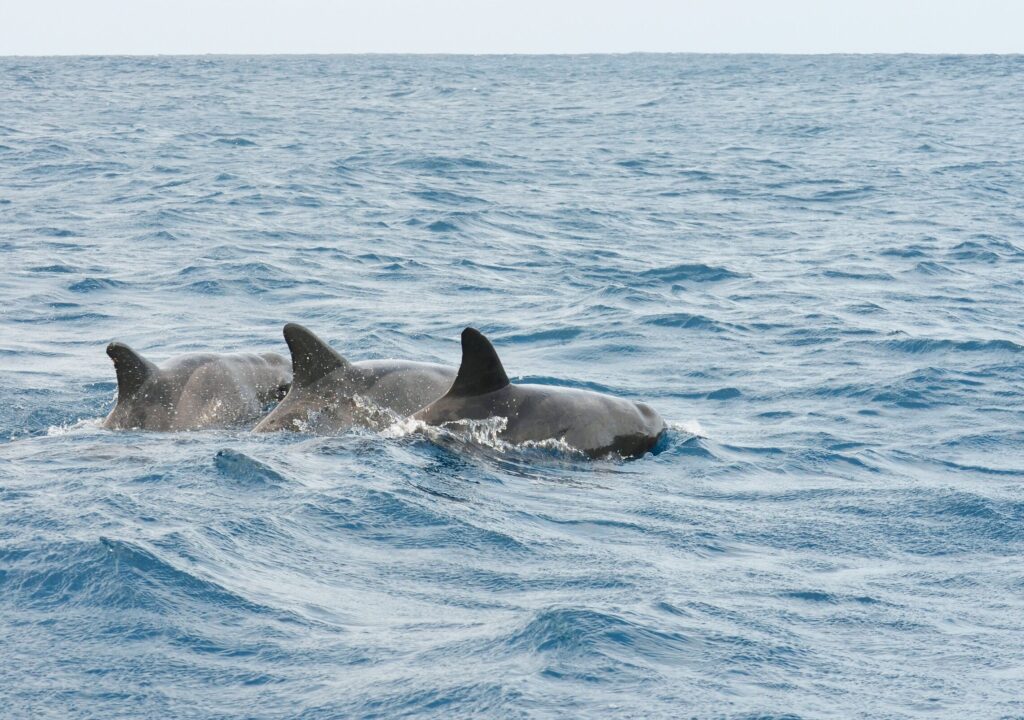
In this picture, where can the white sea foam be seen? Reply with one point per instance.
(80, 425)
(689, 427)
(484, 433)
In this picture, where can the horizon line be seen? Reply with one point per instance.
(584, 53)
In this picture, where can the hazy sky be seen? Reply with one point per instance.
(46, 27)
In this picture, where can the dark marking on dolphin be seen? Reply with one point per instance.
(193, 391)
(593, 423)
(329, 394)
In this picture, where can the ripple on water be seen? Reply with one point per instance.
(836, 298)
(246, 470)
(689, 272)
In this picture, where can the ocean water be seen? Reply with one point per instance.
(813, 267)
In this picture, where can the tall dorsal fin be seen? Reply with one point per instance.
(481, 371)
(312, 358)
(132, 369)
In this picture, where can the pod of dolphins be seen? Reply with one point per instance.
(323, 393)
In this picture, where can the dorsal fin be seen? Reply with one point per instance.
(481, 371)
(312, 358)
(132, 369)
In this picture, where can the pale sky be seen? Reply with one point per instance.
(70, 27)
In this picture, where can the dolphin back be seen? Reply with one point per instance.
(593, 423)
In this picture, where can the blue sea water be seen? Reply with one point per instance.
(813, 267)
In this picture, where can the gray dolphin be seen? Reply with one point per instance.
(329, 394)
(193, 391)
(590, 422)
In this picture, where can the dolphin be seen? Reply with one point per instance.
(193, 391)
(593, 423)
(329, 394)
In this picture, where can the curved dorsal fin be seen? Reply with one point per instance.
(132, 369)
(312, 358)
(481, 371)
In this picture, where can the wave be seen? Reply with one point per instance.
(90, 285)
(116, 574)
(246, 470)
(916, 346)
(235, 142)
(688, 321)
(444, 164)
(690, 273)
(578, 632)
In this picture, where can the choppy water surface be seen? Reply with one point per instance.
(812, 267)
